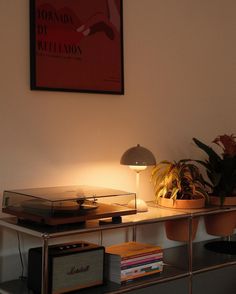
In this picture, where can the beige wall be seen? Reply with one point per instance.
(180, 69)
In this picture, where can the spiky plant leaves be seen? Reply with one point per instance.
(178, 180)
(174, 193)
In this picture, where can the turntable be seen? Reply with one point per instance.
(67, 204)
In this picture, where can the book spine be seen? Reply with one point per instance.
(141, 263)
(139, 275)
(142, 268)
(134, 255)
(141, 259)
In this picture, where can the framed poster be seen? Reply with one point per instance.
(77, 46)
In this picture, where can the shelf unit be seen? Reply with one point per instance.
(196, 258)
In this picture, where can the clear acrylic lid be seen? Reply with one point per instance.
(65, 193)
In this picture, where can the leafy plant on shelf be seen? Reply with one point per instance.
(178, 180)
(220, 169)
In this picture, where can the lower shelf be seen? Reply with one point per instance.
(203, 259)
(169, 273)
(176, 267)
(14, 287)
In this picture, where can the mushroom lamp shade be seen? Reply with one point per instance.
(138, 158)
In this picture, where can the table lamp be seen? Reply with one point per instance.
(138, 159)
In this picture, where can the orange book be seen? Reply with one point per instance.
(132, 249)
(148, 255)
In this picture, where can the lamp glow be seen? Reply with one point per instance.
(137, 168)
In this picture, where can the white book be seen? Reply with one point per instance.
(142, 268)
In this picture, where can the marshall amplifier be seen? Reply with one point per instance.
(71, 267)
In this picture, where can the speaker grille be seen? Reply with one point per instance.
(75, 271)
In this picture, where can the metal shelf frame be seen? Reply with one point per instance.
(155, 214)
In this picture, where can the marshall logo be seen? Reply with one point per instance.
(76, 270)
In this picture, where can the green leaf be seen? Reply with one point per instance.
(209, 151)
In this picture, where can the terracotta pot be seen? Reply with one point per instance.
(214, 200)
(178, 230)
(182, 204)
(221, 224)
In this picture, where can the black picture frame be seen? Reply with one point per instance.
(77, 46)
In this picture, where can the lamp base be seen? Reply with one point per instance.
(140, 205)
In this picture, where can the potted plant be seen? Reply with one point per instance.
(179, 184)
(221, 172)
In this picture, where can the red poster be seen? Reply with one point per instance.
(77, 45)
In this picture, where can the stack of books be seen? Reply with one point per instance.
(132, 260)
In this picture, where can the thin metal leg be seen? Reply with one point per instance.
(101, 237)
(134, 233)
(190, 255)
(127, 234)
(44, 283)
(228, 238)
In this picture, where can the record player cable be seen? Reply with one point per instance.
(21, 277)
